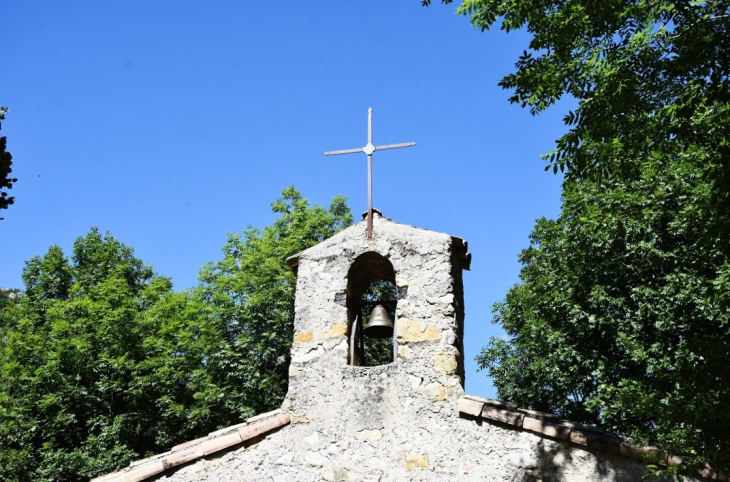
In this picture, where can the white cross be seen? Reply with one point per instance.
(369, 149)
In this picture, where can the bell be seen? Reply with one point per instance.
(379, 325)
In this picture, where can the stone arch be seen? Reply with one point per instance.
(369, 268)
(366, 269)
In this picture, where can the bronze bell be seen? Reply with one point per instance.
(379, 324)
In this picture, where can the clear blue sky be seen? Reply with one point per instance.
(170, 124)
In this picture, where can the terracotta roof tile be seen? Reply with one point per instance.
(182, 457)
(262, 426)
(550, 425)
(141, 472)
(222, 431)
(213, 445)
(494, 403)
(539, 415)
(598, 441)
(637, 452)
(549, 429)
(148, 459)
(198, 448)
(470, 407)
(110, 477)
(263, 416)
(185, 445)
(508, 417)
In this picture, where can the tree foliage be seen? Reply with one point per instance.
(251, 294)
(93, 375)
(6, 161)
(7, 296)
(649, 77)
(102, 363)
(621, 317)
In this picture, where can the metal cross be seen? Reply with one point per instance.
(369, 149)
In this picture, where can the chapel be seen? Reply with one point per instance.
(406, 417)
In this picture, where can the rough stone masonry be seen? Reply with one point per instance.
(405, 421)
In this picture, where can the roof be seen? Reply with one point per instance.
(551, 426)
(476, 408)
(246, 433)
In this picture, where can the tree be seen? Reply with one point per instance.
(6, 160)
(8, 297)
(102, 364)
(650, 81)
(251, 294)
(648, 77)
(621, 318)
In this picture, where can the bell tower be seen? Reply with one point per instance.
(328, 383)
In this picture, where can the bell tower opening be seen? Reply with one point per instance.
(378, 310)
(371, 306)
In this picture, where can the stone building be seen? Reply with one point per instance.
(408, 420)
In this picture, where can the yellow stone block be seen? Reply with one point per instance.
(338, 329)
(305, 337)
(413, 460)
(445, 363)
(410, 330)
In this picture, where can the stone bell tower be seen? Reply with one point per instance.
(325, 388)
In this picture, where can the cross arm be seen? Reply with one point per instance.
(394, 146)
(345, 151)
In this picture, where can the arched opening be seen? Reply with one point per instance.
(371, 283)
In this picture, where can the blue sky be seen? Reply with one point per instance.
(170, 124)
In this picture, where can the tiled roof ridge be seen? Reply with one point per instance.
(551, 426)
(199, 448)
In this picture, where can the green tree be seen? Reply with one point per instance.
(6, 161)
(650, 83)
(621, 316)
(648, 77)
(8, 297)
(102, 364)
(251, 295)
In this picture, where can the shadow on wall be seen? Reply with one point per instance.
(552, 456)
(551, 460)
